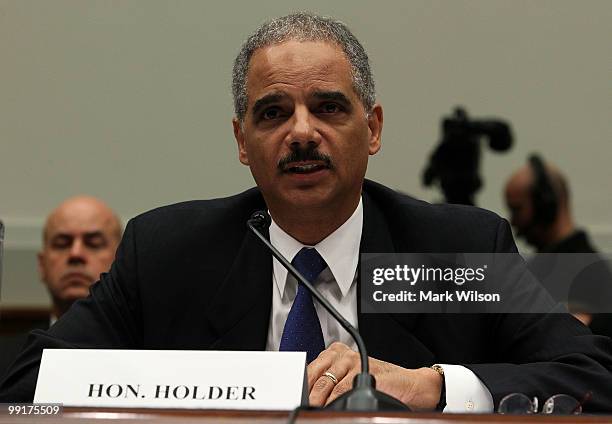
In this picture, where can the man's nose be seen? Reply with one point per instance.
(303, 130)
(77, 253)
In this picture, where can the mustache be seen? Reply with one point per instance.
(303, 155)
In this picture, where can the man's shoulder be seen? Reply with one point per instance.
(408, 206)
(436, 227)
(219, 214)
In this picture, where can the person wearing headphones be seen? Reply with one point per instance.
(538, 198)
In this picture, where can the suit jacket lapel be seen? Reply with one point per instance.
(240, 309)
(388, 337)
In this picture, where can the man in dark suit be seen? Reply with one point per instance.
(190, 276)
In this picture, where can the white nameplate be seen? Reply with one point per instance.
(173, 379)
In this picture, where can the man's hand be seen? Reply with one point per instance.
(419, 389)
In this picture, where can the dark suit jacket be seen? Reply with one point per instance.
(10, 346)
(14, 340)
(190, 276)
(591, 288)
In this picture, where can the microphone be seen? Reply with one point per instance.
(363, 396)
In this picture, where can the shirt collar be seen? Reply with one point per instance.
(340, 250)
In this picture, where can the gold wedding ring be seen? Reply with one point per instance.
(331, 377)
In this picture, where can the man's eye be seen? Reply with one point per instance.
(61, 243)
(330, 108)
(271, 113)
(95, 241)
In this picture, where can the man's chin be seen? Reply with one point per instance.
(73, 294)
(308, 198)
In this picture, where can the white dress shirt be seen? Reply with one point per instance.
(337, 283)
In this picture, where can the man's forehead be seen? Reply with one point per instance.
(521, 181)
(73, 222)
(78, 228)
(299, 64)
(300, 51)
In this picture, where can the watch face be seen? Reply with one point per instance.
(438, 369)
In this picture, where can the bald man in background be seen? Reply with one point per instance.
(80, 237)
(79, 242)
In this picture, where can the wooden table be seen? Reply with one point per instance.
(159, 416)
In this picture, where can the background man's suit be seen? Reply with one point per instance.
(190, 276)
(12, 342)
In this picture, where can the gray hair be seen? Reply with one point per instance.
(304, 26)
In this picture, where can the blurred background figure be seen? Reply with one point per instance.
(79, 241)
(538, 198)
(455, 162)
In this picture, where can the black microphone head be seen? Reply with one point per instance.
(260, 219)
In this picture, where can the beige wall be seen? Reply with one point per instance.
(130, 100)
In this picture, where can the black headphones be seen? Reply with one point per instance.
(543, 196)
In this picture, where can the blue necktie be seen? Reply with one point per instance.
(302, 332)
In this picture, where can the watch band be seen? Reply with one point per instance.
(442, 403)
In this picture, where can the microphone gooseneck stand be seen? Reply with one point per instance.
(363, 396)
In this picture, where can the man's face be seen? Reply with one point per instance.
(306, 135)
(80, 242)
(520, 208)
(519, 202)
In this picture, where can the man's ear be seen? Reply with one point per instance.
(375, 123)
(243, 157)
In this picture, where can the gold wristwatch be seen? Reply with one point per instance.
(442, 403)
